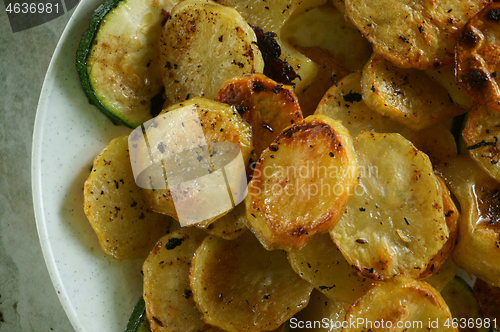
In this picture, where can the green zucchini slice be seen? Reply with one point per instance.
(117, 58)
(463, 306)
(138, 321)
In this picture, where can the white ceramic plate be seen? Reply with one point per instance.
(97, 292)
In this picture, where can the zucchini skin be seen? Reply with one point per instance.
(83, 52)
(137, 321)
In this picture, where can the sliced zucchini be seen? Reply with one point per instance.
(463, 306)
(138, 321)
(117, 58)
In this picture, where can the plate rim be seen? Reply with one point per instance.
(36, 178)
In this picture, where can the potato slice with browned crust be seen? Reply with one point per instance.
(231, 225)
(321, 315)
(239, 286)
(169, 304)
(407, 96)
(267, 106)
(488, 300)
(115, 208)
(418, 34)
(321, 263)
(402, 304)
(202, 45)
(480, 134)
(478, 246)
(301, 183)
(394, 224)
(445, 76)
(477, 57)
(344, 102)
(219, 123)
(452, 217)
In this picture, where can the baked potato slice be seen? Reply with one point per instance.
(452, 217)
(401, 304)
(445, 76)
(321, 263)
(463, 306)
(344, 102)
(169, 302)
(190, 157)
(310, 169)
(319, 315)
(477, 57)
(480, 134)
(202, 45)
(443, 276)
(271, 17)
(267, 106)
(113, 203)
(477, 250)
(395, 223)
(230, 225)
(325, 26)
(406, 96)
(417, 34)
(239, 286)
(488, 300)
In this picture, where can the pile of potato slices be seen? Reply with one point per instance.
(372, 175)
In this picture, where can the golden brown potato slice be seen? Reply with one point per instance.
(239, 286)
(202, 45)
(401, 304)
(321, 263)
(231, 225)
(480, 134)
(169, 302)
(218, 122)
(477, 248)
(477, 57)
(443, 276)
(344, 102)
(325, 27)
(394, 224)
(445, 76)
(301, 183)
(328, 74)
(267, 106)
(463, 306)
(452, 217)
(407, 96)
(271, 16)
(418, 34)
(488, 299)
(115, 208)
(320, 315)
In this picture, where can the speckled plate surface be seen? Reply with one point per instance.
(97, 292)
